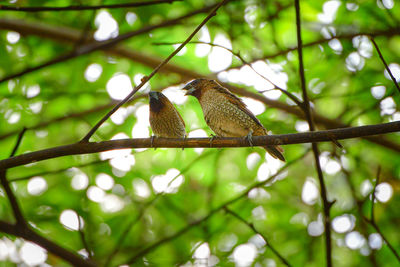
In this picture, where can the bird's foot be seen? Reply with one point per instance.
(212, 138)
(152, 141)
(184, 139)
(249, 138)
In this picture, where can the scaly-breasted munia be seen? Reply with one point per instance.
(165, 120)
(226, 114)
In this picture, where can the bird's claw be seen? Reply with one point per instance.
(184, 139)
(152, 141)
(212, 138)
(249, 138)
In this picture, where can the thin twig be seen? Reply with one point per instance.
(210, 214)
(347, 36)
(306, 108)
(82, 236)
(372, 220)
(378, 174)
(147, 78)
(126, 231)
(359, 205)
(70, 36)
(384, 63)
(80, 8)
(253, 228)
(244, 62)
(21, 222)
(283, 139)
(388, 243)
(94, 46)
(27, 177)
(50, 246)
(19, 139)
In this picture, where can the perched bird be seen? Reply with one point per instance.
(164, 118)
(226, 114)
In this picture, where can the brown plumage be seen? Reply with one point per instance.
(164, 118)
(226, 114)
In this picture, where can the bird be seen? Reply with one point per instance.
(165, 120)
(226, 114)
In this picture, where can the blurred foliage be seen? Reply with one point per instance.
(342, 67)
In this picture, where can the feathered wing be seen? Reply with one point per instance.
(238, 102)
(180, 117)
(274, 151)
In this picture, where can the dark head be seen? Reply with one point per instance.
(157, 101)
(196, 87)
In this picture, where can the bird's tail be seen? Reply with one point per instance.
(275, 151)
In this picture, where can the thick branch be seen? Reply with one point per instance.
(71, 35)
(75, 8)
(50, 246)
(284, 139)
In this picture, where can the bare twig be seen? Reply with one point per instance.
(384, 63)
(22, 229)
(129, 226)
(70, 35)
(372, 220)
(307, 111)
(21, 223)
(26, 177)
(94, 46)
(209, 215)
(19, 139)
(378, 174)
(30, 235)
(359, 205)
(346, 36)
(147, 78)
(82, 236)
(244, 62)
(253, 228)
(283, 139)
(80, 8)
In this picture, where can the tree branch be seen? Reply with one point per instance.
(94, 46)
(19, 139)
(253, 228)
(210, 214)
(129, 226)
(345, 36)
(21, 223)
(147, 78)
(71, 36)
(50, 246)
(77, 8)
(386, 65)
(307, 111)
(372, 219)
(283, 139)
(22, 229)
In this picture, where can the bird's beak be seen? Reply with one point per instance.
(153, 95)
(189, 89)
